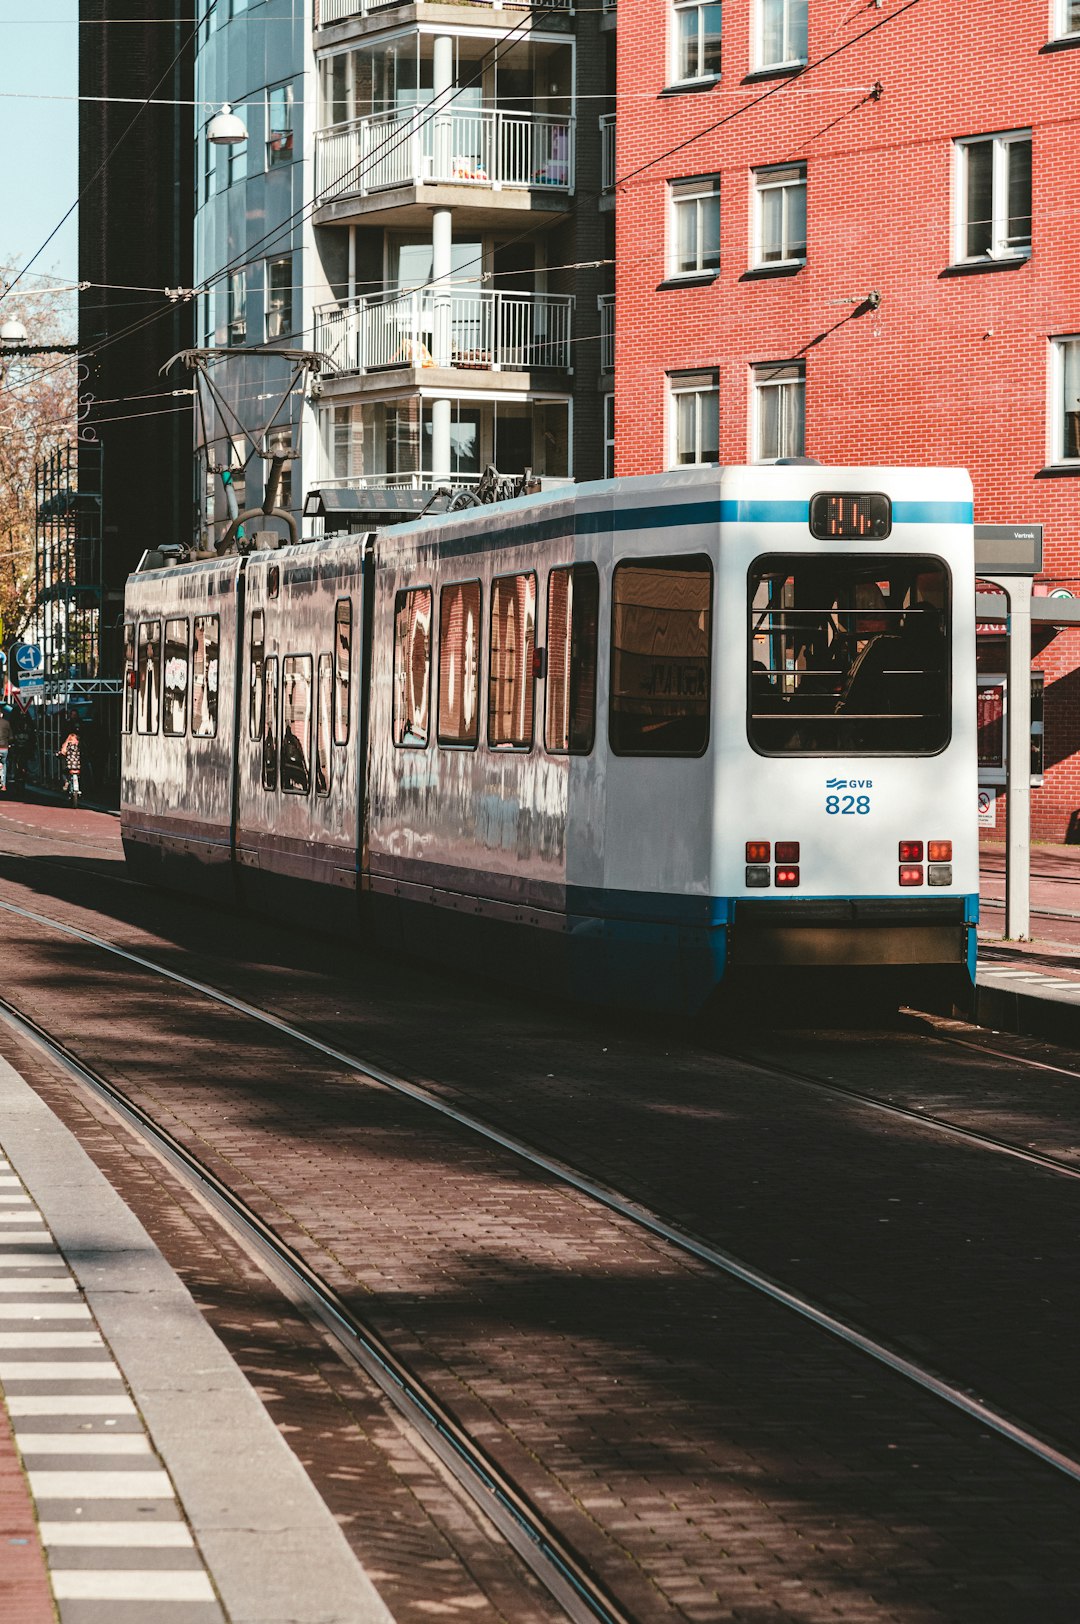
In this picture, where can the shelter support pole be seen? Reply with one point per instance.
(1018, 764)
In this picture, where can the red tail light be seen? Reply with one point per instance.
(757, 851)
(787, 851)
(787, 876)
(939, 851)
(910, 875)
(911, 851)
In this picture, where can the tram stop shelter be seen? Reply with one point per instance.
(1009, 556)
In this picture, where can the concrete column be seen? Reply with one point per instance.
(440, 441)
(440, 291)
(443, 121)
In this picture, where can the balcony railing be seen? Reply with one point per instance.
(475, 329)
(338, 11)
(470, 146)
(607, 151)
(606, 304)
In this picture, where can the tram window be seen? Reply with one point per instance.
(255, 674)
(459, 663)
(296, 724)
(269, 743)
(324, 756)
(342, 668)
(174, 709)
(149, 688)
(206, 643)
(572, 618)
(511, 669)
(128, 717)
(412, 668)
(661, 656)
(848, 655)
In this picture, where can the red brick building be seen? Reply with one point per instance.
(849, 228)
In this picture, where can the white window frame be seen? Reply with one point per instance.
(285, 85)
(237, 293)
(788, 58)
(1059, 26)
(698, 384)
(999, 141)
(786, 377)
(1056, 455)
(786, 178)
(693, 194)
(679, 9)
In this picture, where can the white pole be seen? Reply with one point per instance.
(1018, 764)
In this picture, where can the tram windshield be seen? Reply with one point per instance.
(848, 655)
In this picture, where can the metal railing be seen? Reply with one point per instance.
(472, 146)
(338, 11)
(607, 151)
(476, 329)
(606, 305)
(416, 481)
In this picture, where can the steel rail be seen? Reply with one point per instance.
(931, 1381)
(582, 1596)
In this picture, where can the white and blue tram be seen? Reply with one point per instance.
(631, 738)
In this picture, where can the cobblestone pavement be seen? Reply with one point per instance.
(712, 1456)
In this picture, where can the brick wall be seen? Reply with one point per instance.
(951, 368)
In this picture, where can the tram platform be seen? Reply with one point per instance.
(1032, 986)
(142, 1480)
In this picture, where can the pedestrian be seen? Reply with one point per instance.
(5, 750)
(72, 759)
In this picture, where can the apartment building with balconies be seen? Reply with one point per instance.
(420, 203)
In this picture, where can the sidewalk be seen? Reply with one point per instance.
(1032, 987)
(141, 1479)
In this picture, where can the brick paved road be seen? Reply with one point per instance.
(714, 1457)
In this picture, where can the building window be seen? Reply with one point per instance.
(783, 33)
(279, 125)
(210, 152)
(695, 221)
(237, 307)
(695, 402)
(1067, 18)
(697, 41)
(779, 415)
(1065, 416)
(609, 436)
(279, 297)
(237, 161)
(995, 196)
(780, 215)
(661, 636)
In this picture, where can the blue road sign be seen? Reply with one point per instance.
(28, 657)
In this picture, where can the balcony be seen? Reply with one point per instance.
(467, 328)
(340, 11)
(482, 147)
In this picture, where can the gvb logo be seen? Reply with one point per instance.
(856, 803)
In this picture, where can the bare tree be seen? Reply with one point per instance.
(37, 414)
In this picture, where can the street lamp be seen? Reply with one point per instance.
(225, 128)
(12, 332)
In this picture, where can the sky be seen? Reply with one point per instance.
(39, 67)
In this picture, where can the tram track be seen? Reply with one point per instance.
(379, 1361)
